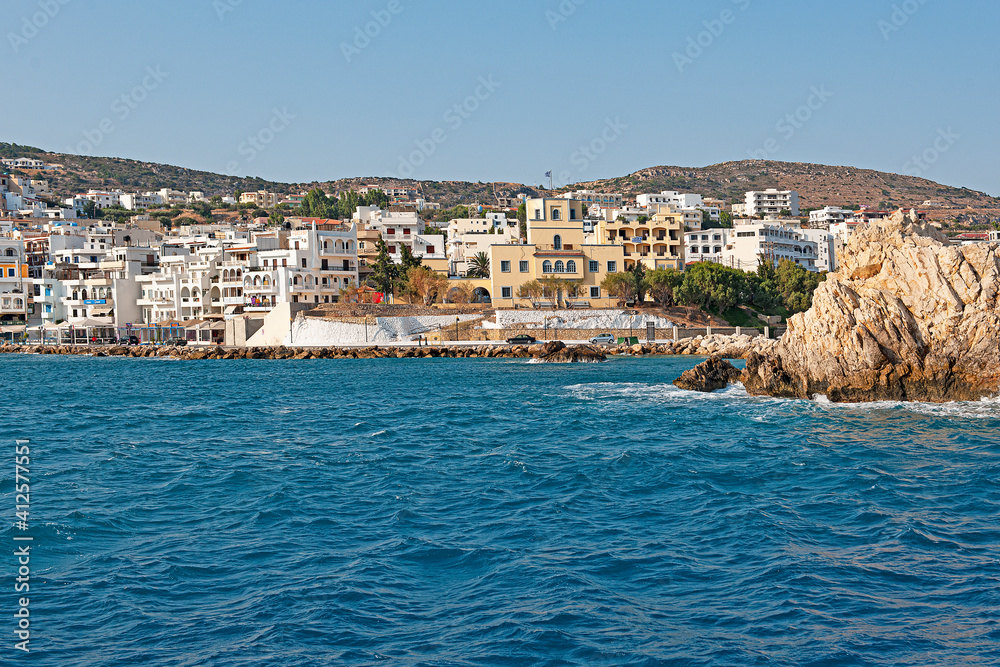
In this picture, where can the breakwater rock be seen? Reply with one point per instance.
(907, 317)
(730, 347)
(715, 373)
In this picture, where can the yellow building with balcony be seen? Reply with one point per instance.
(657, 242)
(558, 249)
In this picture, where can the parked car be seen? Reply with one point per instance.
(180, 342)
(603, 338)
(521, 339)
(128, 340)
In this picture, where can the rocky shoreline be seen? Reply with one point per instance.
(730, 347)
(907, 317)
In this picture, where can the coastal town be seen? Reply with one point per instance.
(237, 269)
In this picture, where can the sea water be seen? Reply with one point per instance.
(490, 512)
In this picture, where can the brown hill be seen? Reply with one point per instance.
(818, 185)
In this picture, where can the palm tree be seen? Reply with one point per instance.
(479, 266)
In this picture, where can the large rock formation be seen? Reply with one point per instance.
(708, 376)
(907, 317)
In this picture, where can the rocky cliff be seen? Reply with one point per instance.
(906, 317)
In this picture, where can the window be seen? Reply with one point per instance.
(430, 250)
(505, 293)
(718, 248)
(284, 262)
(10, 273)
(556, 240)
(392, 250)
(406, 230)
(538, 214)
(390, 232)
(555, 214)
(303, 262)
(572, 214)
(560, 267)
(706, 250)
(595, 292)
(546, 266)
(612, 267)
(595, 266)
(522, 266)
(505, 266)
(570, 266)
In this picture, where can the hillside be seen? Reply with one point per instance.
(818, 185)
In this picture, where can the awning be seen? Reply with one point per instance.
(232, 310)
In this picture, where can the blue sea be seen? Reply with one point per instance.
(490, 512)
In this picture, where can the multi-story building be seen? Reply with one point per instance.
(307, 265)
(187, 286)
(690, 203)
(14, 295)
(751, 242)
(467, 237)
(399, 228)
(826, 248)
(705, 245)
(771, 202)
(140, 202)
(656, 242)
(261, 199)
(557, 248)
(829, 215)
(602, 199)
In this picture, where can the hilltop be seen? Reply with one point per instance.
(818, 185)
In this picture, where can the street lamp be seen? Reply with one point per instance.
(456, 329)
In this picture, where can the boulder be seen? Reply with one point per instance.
(708, 376)
(907, 317)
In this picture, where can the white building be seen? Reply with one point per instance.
(303, 266)
(830, 215)
(679, 202)
(140, 202)
(23, 163)
(826, 248)
(399, 228)
(771, 202)
(753, 241)
(602, 199)
(705, 245)
(13, 285)
(186, 287)
(468, 237)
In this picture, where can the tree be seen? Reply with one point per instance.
(90, 209)
(385, 273)
(407, 261)
(620, 286)
(726, 220)
(317, 205)
(532, 289)
(662, 283)
(639, 275)
(479, 266)
(425, 284)
(461, 292)
(522, 220)
(712, 287)
(276, 219)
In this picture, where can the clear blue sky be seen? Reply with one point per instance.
(558, 72)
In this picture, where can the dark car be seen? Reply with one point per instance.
(522, 339)
(128, 340)
(175, 341)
